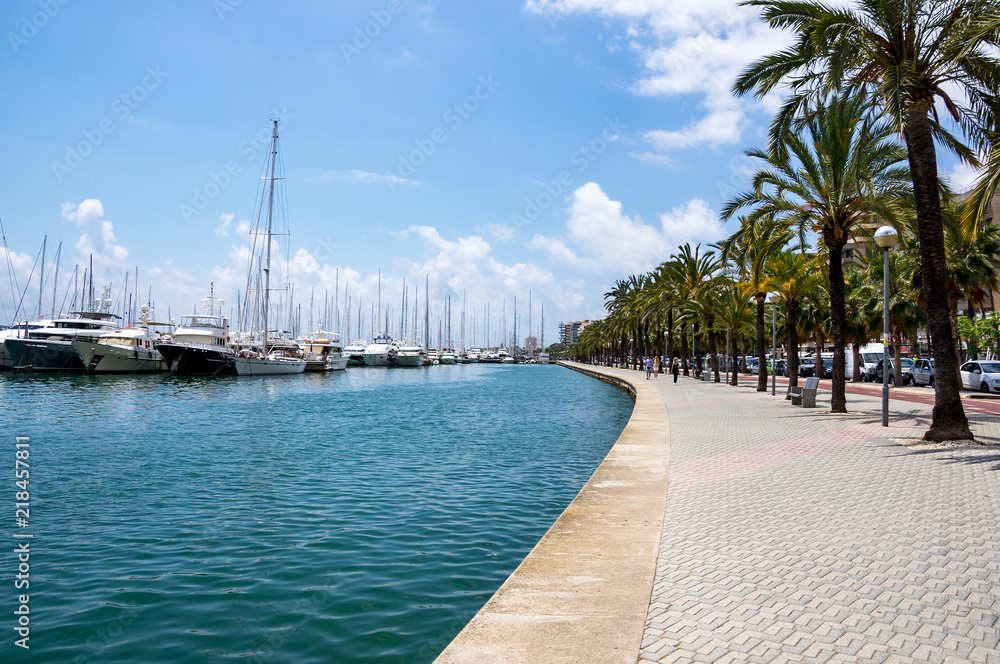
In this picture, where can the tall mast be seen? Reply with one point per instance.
(463, 320)
(529, 314)
(336, 303)
(378, 328)
(270, 211)
(55, 279)
(427, 309)
(41, 276)
(402, 313)
(90, 297)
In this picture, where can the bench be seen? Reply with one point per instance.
(805, 396)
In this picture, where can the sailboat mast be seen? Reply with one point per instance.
(270, 212)
(378, 326)
(427, 309)
(41, 276)
(55, 280)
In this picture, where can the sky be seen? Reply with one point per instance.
(495, 149)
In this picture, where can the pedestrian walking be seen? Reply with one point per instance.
(656, 367)
(649, 367)
(675, 368)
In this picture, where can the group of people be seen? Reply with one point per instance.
(653, 367)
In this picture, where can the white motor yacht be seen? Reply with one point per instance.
(381, 352)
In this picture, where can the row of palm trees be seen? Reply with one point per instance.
(855, 79)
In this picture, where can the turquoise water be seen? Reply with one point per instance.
(361, 516)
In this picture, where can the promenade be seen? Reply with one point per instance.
(796, 535)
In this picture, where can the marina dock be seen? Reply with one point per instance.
(787, 534)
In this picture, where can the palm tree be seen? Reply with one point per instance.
(736, 316)
(907, 55)
(695, 276)
(751, 247)
(840, 171)
(794, 279)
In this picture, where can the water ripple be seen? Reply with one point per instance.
(361, 516)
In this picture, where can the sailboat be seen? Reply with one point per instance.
(268, 358)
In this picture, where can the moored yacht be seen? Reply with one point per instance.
(355, 352)
(49, 348)
(17, 331)
(125, 350)
(448, 356)
(323, 352)
(410, 354)
(199, 346)
(381, 352)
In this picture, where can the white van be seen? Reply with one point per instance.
(870, 356)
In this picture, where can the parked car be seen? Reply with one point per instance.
(906, 364)
(781, 367)
(922, 372)
(981, 375)
(752, 366)
(827, 369)
(807, 367)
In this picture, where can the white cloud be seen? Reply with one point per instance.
(695, 222)
(600, 237)
(961, 177)
(98, 238)
(686, 49)
(225, 219)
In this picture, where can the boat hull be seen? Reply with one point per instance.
(253, 366)
(43, 356)
(103, 358)
(379, 360)
(196, 361)
(415, 360)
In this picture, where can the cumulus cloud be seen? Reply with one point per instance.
(599, 236)
(961, 177)
(98, 235)
(685, 49)
(225, 220)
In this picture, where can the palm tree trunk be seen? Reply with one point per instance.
(792, 331)
(734, 377)
(685, 354)
(696, 343)
(838, 323)
(669, 355)
(712, 352)
(856, 349)
(761, 347)
(948, 417)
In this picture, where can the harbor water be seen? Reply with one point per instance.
(358, 516)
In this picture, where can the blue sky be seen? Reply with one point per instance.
(550, 146)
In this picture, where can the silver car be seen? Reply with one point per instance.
(922, 372)
(980, 375)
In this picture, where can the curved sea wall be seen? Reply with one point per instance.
(582, 593)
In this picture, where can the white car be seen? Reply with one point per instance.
(981, 375)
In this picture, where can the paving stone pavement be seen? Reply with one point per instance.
(796, 535)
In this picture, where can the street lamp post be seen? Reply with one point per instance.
(773, 299)
(885, 237)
